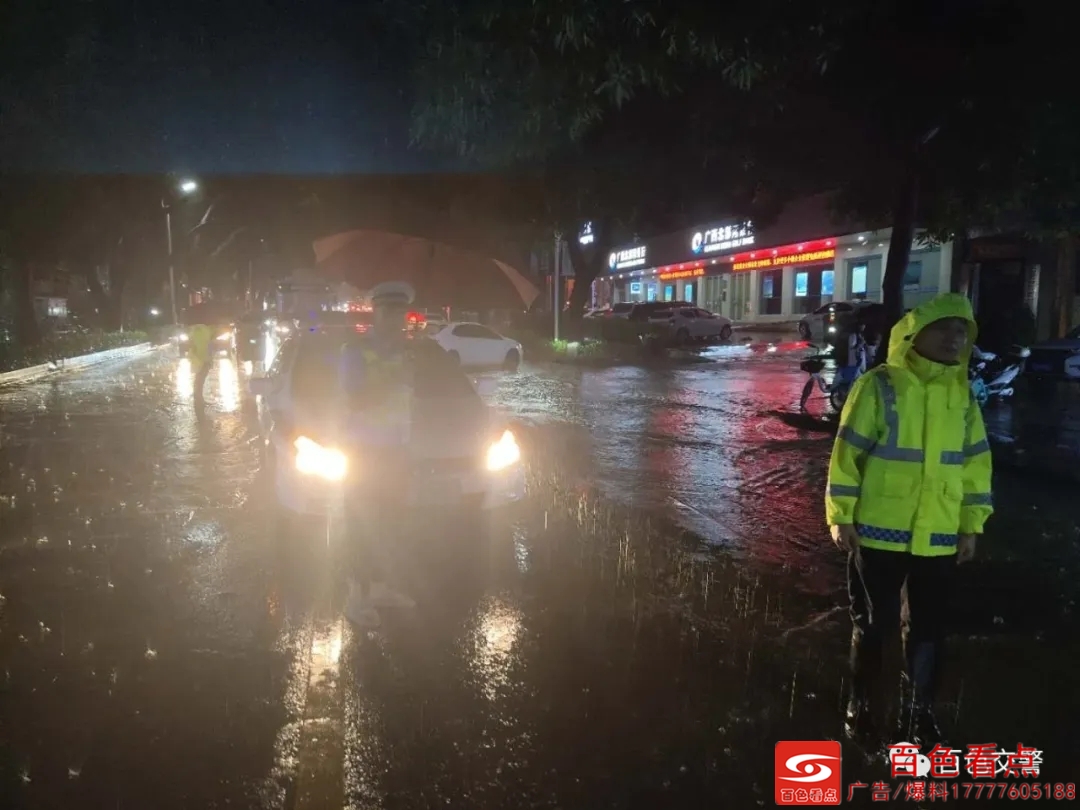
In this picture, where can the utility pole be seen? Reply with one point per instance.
(555, 268)
(172, 274)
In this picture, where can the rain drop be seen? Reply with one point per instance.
(151, 654)
(74, 771)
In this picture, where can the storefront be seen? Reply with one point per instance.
(692, 266)
(732, 270)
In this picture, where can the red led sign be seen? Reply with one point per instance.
(697, 271)
(818, 250)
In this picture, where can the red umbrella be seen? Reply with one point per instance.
(443, 276)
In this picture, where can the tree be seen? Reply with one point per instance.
(899, 107)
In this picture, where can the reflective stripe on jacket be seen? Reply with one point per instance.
(911, 466)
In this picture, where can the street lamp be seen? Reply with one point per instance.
(185, 188)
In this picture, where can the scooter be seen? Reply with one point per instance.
(837, 391)
(992, 377)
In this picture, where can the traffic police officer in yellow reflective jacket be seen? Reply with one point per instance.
(908, 493)
(374, 376)
(200, 338)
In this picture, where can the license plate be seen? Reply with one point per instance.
(438, 490)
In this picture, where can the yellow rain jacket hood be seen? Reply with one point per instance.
(911, 466)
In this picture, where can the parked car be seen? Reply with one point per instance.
(690, 324)
(644, 310)
(475, 345)
(461, 454)
(1057, 359)
(834, 321)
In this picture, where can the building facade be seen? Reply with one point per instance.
(780, 273)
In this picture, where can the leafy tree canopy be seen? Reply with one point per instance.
(786, 95)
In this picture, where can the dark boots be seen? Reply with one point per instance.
(915, 722)
(918, 687)
(859, 725)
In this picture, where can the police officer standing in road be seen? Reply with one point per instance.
(200, 340)
(908, 494)
(374, 380)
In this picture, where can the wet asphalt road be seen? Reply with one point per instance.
(663, 608)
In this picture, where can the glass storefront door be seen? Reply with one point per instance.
(740, 296)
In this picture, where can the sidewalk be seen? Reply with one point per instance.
(1043, 437)
(33, 373)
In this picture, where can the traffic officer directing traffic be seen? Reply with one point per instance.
(373, 377)
(909, 492)
(200, 338)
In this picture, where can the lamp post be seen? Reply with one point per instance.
(185, 188)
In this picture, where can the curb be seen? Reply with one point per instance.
(68, 364)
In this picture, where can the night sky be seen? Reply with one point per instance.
(221, 87)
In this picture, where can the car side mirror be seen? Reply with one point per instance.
(263, 386)
(486, 386)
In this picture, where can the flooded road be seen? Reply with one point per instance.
(663, 608)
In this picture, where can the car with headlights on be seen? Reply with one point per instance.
(460, 454)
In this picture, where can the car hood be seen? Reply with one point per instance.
(451, 427)
(442, 428)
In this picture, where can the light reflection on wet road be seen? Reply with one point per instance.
(160, 650)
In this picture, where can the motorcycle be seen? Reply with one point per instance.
(992, 377)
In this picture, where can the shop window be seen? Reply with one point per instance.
(669, 292)
(808, 289)
(922, 278)
(772, 287)
(688, 293)
(650, 292)
(864, 279)
(828, 279)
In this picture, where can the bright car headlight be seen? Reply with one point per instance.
(224, 336)
(314, 459)
(832, 329)
(183, 338)
(503, 453)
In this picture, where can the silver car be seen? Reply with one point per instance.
(690, 324)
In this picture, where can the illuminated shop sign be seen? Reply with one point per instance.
(765, 262)
(723, 238)
(631, 257)
(586, 237)
(697, 271)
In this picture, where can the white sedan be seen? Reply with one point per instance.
(475, 345)
(459, 454)
(689, 324)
